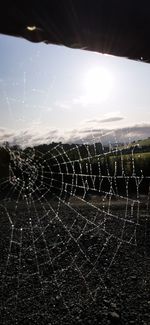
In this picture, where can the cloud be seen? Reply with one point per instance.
(63, 105)
(31, 137)
(112, 113)
(119, 135)
(107, 120)
(112, 119)
(2, 130)
(70, 103)
(5, 134)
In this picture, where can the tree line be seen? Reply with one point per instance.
(86, 167)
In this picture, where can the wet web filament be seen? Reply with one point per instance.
(66, 215)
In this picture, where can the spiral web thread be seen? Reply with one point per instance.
(63, 224)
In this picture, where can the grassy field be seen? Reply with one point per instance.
(137, 163)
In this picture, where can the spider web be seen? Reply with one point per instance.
(69, 219)
(74, 226)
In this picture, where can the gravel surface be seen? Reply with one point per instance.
(97, 270)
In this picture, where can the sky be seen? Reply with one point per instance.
(53, 93)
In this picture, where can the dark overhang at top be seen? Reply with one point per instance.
(117, 27)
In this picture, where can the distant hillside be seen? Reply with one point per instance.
(144, 143)
(137, 146)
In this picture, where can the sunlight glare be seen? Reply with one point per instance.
(98, 84)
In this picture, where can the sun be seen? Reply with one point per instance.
(98, 84)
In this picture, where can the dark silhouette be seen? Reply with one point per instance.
(114, 27)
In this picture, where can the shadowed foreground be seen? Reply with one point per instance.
(72, 265)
